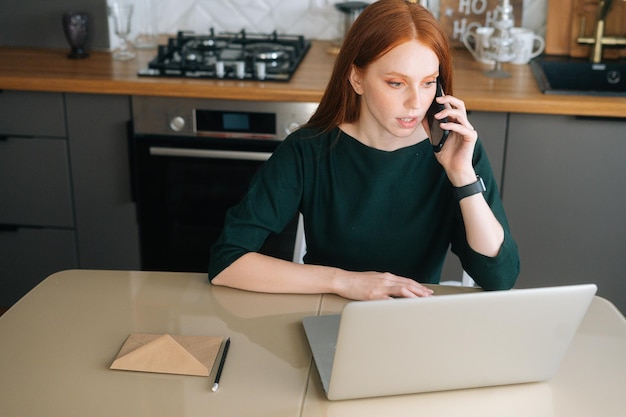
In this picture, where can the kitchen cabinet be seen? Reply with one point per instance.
(65, 188)
(492, 129)
(105, 212)
(37, 230)
(30, 254)
(35, 182)
(32, 114)
(564, 194)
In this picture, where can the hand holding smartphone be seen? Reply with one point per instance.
(438, 135)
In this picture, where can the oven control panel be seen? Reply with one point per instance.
(218, 118)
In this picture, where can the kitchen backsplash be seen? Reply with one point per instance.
(37, 23)
(316, 19)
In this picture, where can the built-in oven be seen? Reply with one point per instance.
(193, 159)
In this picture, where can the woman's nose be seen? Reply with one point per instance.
(413, 101)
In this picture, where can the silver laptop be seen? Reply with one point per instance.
(479, 339)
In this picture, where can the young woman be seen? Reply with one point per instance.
(380, 207)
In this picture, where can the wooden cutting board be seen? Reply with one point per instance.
(456, 16)
(564, 27)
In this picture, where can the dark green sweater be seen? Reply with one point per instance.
(365, 210)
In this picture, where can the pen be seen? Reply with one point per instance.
(216, 384)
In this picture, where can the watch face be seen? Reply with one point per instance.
(481, 183)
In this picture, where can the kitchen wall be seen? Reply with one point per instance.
(316, 19)
(37, 23)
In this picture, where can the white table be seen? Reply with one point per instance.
(59, 341)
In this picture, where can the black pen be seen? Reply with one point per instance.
(216, 384)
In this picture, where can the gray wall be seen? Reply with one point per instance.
(37, 23)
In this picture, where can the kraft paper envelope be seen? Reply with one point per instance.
(168, 354)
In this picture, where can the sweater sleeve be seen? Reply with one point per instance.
(501, 271)
(271, 202)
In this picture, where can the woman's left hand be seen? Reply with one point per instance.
(483, 231)
(457, 152)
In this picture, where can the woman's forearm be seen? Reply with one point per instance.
(483, 231)
(257, 272)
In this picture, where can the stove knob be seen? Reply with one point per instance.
(219, 69)
(292, 127)
(240, 69)
(177, 124)
(260, 70)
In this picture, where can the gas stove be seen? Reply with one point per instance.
(234, 56)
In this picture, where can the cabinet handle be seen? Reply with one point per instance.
(208, 153)
(600, 118)
(8, 228)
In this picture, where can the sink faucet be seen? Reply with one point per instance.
(599, 40)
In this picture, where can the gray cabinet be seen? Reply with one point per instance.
(30, 254)
(32, 114)
(105, 212)
(65, 188)
(564, 192)
(35, 182)
(37, 230)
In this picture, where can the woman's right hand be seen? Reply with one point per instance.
(377, 286)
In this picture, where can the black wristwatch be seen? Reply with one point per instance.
(470, 189)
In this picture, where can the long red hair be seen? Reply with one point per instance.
(382, 26)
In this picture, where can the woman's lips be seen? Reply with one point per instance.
(408, 122)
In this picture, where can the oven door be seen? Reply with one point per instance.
(183, 188)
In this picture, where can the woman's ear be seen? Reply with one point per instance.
(355, 80)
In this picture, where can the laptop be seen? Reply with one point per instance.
(446, 342)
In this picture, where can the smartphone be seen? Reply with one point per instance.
(438, 135)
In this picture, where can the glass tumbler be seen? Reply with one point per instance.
(121, 14)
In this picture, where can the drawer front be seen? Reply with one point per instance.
(35, 183)
(29, 256)
(32, 114)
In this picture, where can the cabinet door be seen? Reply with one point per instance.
(105, 212)
(35, 183)
(565, 182)
(29, 256)
(31, 114)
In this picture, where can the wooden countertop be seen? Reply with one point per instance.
(49, 70)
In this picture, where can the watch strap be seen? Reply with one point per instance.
(470, 189)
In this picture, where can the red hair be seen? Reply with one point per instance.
(382, 26)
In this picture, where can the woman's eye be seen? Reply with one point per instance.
(395, 84)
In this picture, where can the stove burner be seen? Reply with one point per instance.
(240, 56)
(267, 51)
(206, 45)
